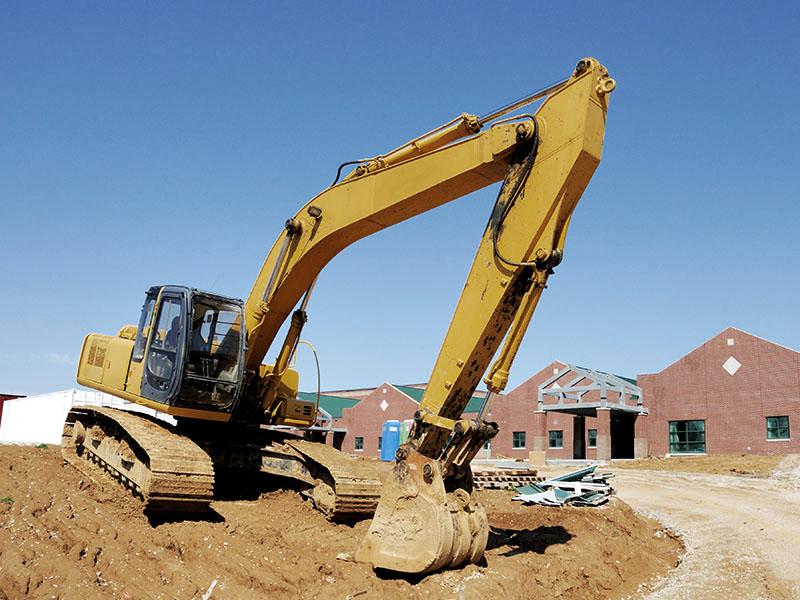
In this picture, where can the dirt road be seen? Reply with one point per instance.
(741, 533)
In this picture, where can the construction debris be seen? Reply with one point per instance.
(504, 478)
(583, 487)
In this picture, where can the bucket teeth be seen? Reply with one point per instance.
(421, 527)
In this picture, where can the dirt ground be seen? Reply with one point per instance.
(64, 536)
(724, 464)
(740, 531)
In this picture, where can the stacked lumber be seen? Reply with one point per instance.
(504, 479)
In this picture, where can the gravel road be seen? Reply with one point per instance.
(741, 533)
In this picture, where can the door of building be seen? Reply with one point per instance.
(338, 439)
(579, 437)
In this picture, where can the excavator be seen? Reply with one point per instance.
(199, 357)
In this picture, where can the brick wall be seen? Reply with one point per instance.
(516, 410)
(734, 406)
(512, 412)
(366, 418)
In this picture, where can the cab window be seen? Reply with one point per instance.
(144, 328)
(165, 341)
(213, 366)
(214, 347)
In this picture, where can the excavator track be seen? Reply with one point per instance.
(348, 489)
(172, 470)
(168, 471)
(340, 486)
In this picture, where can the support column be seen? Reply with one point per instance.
(603, 434)
(641, 447)
(538, 454)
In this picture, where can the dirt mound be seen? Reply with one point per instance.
(788, 471)
(720, 464)
(63, 536)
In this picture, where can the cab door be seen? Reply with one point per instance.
(164, 358)
(136, 369)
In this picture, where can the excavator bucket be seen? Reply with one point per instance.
(419, 526)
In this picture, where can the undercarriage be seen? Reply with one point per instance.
(173, 469)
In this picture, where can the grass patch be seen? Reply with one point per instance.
(41, 445)
(7, 500)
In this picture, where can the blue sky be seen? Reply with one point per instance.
(159, 143)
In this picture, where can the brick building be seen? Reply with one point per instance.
(515, 413)
(364, 421)
(736, 393)
(522, 423)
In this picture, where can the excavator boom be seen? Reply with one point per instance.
(428, 516)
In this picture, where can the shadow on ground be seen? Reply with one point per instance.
(519, 541)
(231, 485)
(206, 516)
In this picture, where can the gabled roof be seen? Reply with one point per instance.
(759, 338)
(333, 405)
(416, 393)
(580, 381)
(628, 379)
(722, 334)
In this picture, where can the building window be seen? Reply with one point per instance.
(380, 442)
(687, 437)
(593, 438)
(777, 428)
(557, 439)
(518, 439)
(359, 443)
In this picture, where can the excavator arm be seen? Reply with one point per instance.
(428, 516)
(438, 167)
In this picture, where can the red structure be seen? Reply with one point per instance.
(365, 420)
(736, 393)
(3, 398)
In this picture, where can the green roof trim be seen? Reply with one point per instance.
(473, 406)
(412, 392)
(333, 405)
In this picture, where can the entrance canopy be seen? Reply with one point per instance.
(581, 391)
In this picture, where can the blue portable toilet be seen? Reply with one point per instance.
(390, 439)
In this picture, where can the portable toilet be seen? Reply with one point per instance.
(390, 439)
(405, 427)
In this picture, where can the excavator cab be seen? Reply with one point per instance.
(191, 345)
(186, 355)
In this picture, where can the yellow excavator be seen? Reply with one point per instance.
(199, 356)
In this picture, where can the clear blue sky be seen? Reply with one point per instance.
(167, 144)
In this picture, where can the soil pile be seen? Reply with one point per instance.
(64, 536)
(719, 464)
(788, 471)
